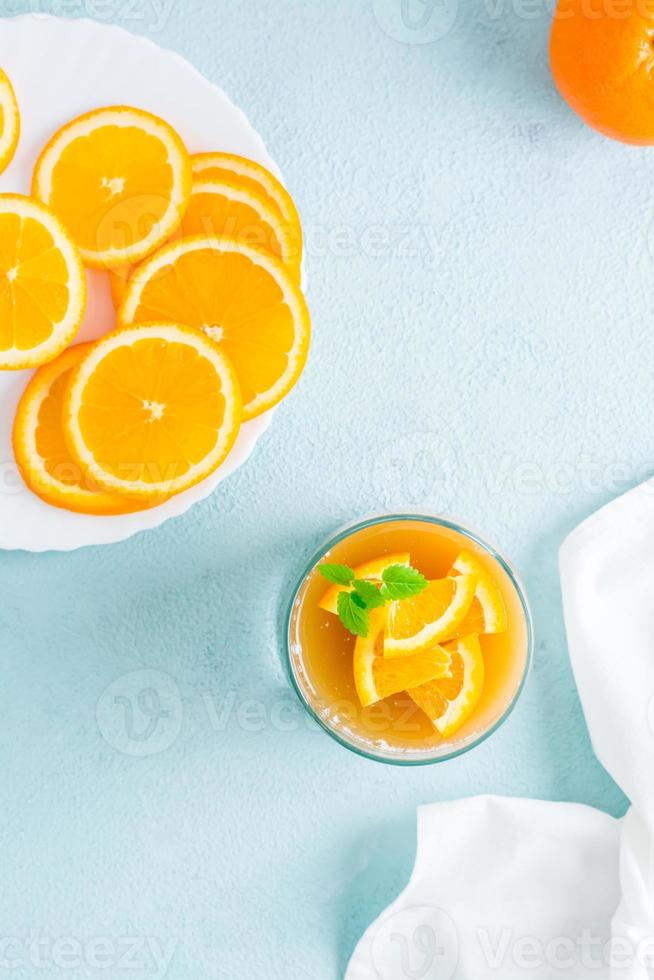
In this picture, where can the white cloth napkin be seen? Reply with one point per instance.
(510, 888)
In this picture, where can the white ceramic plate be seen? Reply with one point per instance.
(61, 68)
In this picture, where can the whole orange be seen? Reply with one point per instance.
(602, 59)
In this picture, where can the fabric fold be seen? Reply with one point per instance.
(504, 888)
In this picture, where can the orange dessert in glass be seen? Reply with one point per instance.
(409, 639)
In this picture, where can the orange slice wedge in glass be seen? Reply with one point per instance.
(243, 298)
(42, 284)
(9, 122)
(416, 624)
(450, 701)
(151, 410)
(377, 677)
(41, 450)
(120, 180)
(370, 570)
(487, 614)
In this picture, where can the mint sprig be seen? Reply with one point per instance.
(370, 594)
(353, 606)
(401, 582)
(353, 613)
(338, 574)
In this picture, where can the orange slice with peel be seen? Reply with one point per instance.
(450, 701)
(243, 298)
(370, 570)
(151, 410)
(118, 282)
(42, 284)
(220, 207)
(377, 677)
(249, 174)
(416, 624)
(244, 174)
(9, 121)
(120, 180)
(224, 207)
(41, 450)
(487, 614)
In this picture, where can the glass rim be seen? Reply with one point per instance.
(441, 520)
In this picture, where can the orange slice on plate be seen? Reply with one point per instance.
(9, 122)
(245, 175)
(151, 410)
(450, 701)
(119, 179)
(41, 450)
(251, 175)
(416, 624)
(243, 298)
(221, 208)
(369, 570)
(42, 284)
(487, 614)
(376, 677)
(118, 280)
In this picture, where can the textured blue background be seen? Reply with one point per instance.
(480, 281)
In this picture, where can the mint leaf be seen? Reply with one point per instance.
(353, 613)
(402, 582)
(369, 593)
(338, 574)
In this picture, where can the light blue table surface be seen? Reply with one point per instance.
(481, 286)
